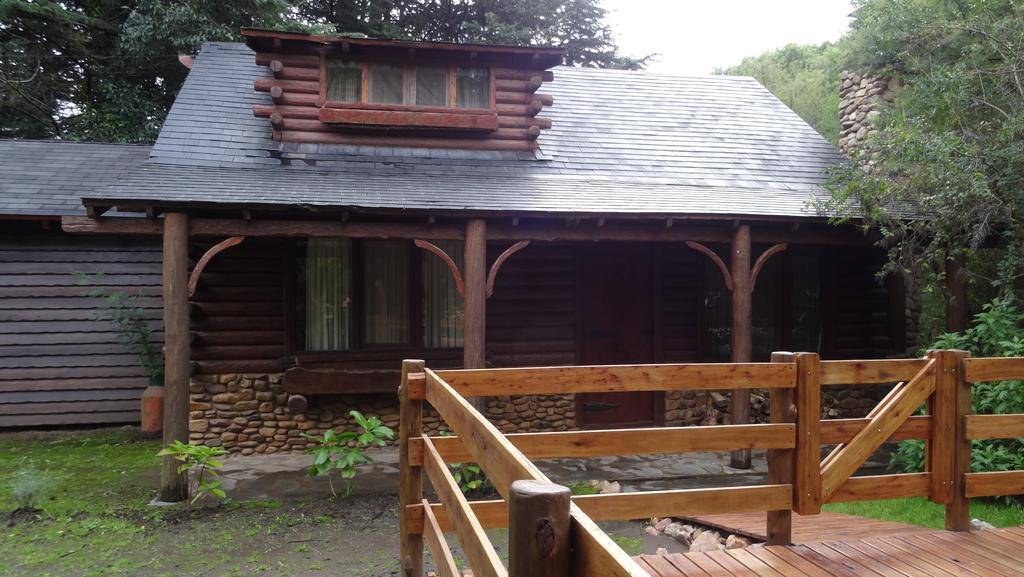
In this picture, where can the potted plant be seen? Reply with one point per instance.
(122, 309)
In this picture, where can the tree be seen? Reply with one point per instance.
(944, 173)
(805, 78)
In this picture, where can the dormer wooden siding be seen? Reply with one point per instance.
(303, 112)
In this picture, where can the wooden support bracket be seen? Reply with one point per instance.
(726, 275)
(193, 279)
(460, 287)
(761, 260)
(492, 275)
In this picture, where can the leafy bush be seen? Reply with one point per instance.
(995, 332)
(200, 461)
(344, 451)
(469, 476)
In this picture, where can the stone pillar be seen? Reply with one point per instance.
(860, 101)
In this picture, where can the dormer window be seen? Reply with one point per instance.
(431, 86)
(376, 92)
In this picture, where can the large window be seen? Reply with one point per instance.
(378, 294)
(435, 86)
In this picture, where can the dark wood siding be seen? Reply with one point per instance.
(58, 364)
(680, 304)
(532, 315)
(860, 318)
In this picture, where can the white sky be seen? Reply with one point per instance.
(695, 36)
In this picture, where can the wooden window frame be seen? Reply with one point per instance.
(360, 351)
(368, 113)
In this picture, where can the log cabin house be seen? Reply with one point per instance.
(329, 206)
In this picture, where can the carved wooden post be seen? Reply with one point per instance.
(475, 305)
(742, 321)
(177, 365)
(538, 530)
(956, 294)
(958, 516)
(781, 462)
(410, 478)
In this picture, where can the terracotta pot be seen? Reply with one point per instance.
(152, 412)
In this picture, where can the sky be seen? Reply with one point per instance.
(695, 36)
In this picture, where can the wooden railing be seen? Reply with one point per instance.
(553, 533)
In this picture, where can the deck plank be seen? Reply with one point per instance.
(927, 553)
(809, 528)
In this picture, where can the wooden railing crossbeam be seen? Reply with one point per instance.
(601, 443)
(869, 372)
(881, 487)
(839, 431)
(885, 422)
(619, 378)
(437, 545)
(994, 426)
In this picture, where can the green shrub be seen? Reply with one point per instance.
(29, 487)
(995, 332)
(344, 451)
(202, 464)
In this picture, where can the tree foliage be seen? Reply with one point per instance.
(943, 174)
(805, 78)
(107, 70)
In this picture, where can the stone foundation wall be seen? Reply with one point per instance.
(248, 413)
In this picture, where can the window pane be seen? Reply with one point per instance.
(443, 305)
(471, 85)
(344, 80)
(386, 84)
(386, 292)
(328, 294)
(431, 86)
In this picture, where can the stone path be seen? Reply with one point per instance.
(265, 477)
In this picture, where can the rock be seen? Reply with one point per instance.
(706, 541)
(979, 525)
(650, 530)
(612, 487)
(660, 525)
(247, 405)
(661, 551)
(736, 542)
(679, 532)
(225, 398)
(198, 426)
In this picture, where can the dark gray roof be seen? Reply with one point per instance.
(621, 142)
(49, 177)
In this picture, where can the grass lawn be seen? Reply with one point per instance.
(94, 519)
(920, 511)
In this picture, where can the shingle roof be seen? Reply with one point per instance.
(49, 177)
(621, 142)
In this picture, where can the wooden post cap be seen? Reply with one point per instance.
(276, 66)
(538, 530)
(276, 93)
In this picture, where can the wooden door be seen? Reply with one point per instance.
(617, 324)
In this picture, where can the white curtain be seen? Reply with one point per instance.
(386, 294)
(442, 304)
(328, 294)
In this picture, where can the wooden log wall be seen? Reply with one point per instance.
(238, 320)
(858, 311)
(679, 316)
(58, 364)
(532, 315)
(294, 86)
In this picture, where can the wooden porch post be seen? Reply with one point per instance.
(177, 365)
(956, 294)
(538, 529)
(475, 303)
(742, 320)
(410, 478)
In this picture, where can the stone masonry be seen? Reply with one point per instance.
(248, 413)
(861, 99)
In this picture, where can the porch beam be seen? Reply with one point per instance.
(177, 366)
(639, 232)
(742, 321)
(475, 300)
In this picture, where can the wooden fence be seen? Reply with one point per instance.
(552, 533)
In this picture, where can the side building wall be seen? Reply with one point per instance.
(59, 364)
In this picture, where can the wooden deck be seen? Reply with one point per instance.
(994, 553)
(810, 528)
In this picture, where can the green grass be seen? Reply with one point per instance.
(920, 511)
(582, 489)
(630, 545)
